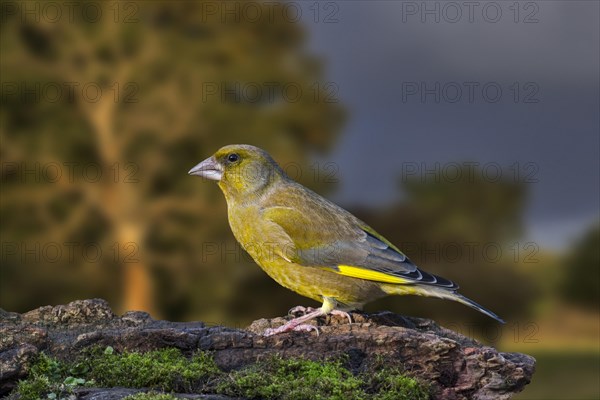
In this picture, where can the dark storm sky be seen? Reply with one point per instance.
(377, 52)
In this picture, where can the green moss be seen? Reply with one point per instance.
(393, 385)
(36, 387)
(48, 378)
(386, 380)
(150, 396)
(168, 370)
(279, 378)
(48, 367)
(290, 379)
(165, 369)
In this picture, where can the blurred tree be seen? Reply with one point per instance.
(469, 209)
(581, 283)
(121, 107)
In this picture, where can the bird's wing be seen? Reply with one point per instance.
(345, 245)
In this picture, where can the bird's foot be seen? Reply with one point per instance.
(308, 310)
(342, 314)
(298, 324)
(289, 327)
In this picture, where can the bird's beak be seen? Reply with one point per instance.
(209, 169)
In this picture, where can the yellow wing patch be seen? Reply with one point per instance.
(370, 275)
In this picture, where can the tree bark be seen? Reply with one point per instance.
(456, 367)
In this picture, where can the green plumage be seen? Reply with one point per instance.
(308, 244)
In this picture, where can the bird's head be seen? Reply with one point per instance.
(240, 170)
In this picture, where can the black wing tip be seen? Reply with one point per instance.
(437, 281)
(494, 316)
(480, 308)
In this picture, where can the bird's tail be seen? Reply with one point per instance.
(466, 301)
(432, 291)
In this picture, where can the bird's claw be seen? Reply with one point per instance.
(306, 310)
(298, 324)
(342, 314)
(290, 328)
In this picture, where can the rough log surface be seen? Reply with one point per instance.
(457, 367)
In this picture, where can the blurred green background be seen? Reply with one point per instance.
(107, 105)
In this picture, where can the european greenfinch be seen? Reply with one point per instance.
(310, 245)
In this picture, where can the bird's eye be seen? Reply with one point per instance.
(233, 157)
